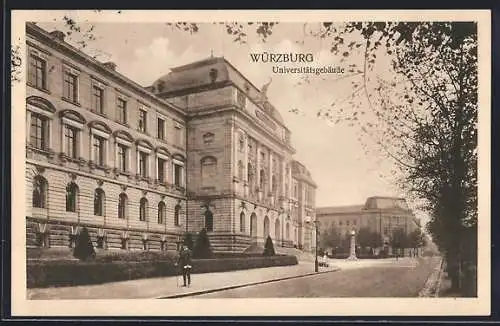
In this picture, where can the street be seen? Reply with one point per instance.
(390, 278)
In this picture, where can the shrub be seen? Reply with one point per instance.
(202, 248)
(269, 247)
(70, 273)
(137, 256)
(188, 240)
(84, 248)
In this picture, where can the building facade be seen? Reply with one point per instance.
(303, 203)
(382, 215)
(140, 166)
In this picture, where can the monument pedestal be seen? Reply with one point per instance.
(352, 254)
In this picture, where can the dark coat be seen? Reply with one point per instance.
(185, 257)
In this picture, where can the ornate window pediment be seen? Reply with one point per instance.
(101, 126)
(35, 103)
(123, 135)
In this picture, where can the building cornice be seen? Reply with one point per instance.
(213, 86)
(43, 36)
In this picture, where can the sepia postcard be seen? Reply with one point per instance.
(250, 163)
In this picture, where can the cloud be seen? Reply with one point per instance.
(156, 59)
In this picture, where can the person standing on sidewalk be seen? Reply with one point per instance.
(184, 263)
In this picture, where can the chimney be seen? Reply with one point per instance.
(110, 65)
(58, 35)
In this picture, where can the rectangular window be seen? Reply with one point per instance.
(98, 99)
(38, 131)
(70, 137)
(70, 86)
(142, 120)
(161, 170)
(161, 128)
(99, 150)
(143, 163)
(178, 175)
(122, 111)
(37, 72)
(178, 135)
(122, 158)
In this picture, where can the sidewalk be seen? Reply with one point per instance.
(164, 287)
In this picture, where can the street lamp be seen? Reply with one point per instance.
(315, 222)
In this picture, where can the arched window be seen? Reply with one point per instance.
(99, 203)
(71, 197)
(242, 222)
(274, 183)
(253, 225)
(176, 215)
(209, 220)
(266, 227)
(143, 209)
(40, 189)
(262, 180)
(122, 205)
(161, 212)
(277, 229)
(208, 171)
(287, 231)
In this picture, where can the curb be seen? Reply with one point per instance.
(231, 287)
(429, 289)
(439, 280)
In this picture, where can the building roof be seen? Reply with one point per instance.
(300, 172)
(380, 202)
(55, 39)
(203, 73)
(372, 203)
(339, 209)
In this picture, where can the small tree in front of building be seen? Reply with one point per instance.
(84, 249)
(269, 247)
(202, 248)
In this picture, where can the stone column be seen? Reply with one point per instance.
(270, 172)
(116, 154)
(153, 168)
(257, 169)
(137, 159)
(91, 142)
(245, 167)
(63, 139)
(28, 126)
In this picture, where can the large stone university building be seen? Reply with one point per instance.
(139, 166)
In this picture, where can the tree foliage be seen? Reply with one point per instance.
(84, 249)
(188, 240)
(202, 247)
(368, 238)
(269, 247)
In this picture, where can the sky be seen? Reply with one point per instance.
(345, 175)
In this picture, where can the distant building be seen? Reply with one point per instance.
(382, 215)
(139, 166)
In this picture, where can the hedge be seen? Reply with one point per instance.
(71, 273)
